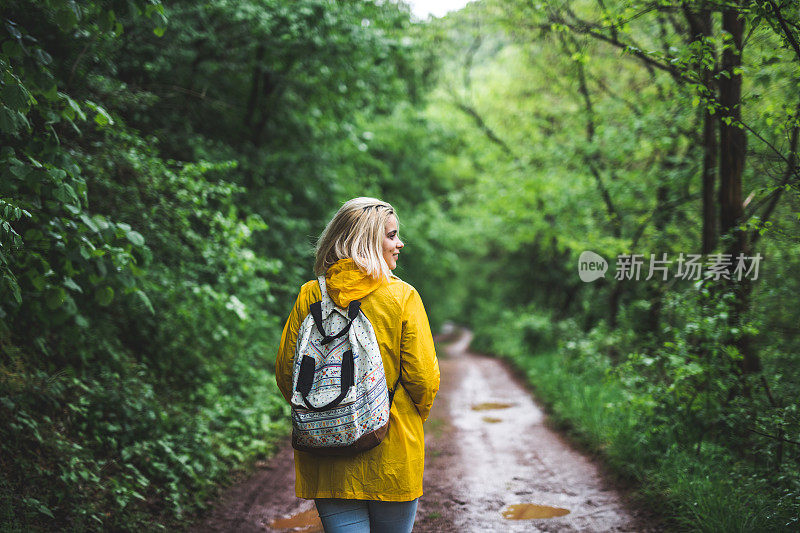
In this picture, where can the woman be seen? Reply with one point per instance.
(376, 490)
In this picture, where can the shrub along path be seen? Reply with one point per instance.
(489, 453)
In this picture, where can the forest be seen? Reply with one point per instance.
(166, 166)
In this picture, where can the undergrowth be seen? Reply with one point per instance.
(711, 485)
(108, 452)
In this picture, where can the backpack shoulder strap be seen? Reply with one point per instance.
(323, 287)
(327, 304)
(321, 309)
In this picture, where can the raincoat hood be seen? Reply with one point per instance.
(346, 282)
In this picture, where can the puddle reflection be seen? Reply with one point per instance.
(487, 406)
(526, 511)
(305, 522)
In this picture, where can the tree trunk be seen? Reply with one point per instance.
(733, 144)
(733, 141)
(700, 27)
(709, 180)
(709, 152)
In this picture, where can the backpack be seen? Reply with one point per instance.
(340, 401)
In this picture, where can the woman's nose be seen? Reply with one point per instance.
(400, 244)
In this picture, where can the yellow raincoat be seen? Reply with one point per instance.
(392, 471)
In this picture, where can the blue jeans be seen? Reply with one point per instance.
(366, 516)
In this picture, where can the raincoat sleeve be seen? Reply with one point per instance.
(420, 368)
(285, 358)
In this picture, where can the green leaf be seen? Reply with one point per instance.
(15, 96)
(66, 19)
(8, 121)
(101, 117)
(58, 175)
(146, 301)
(11, 283)
(155, 8)
(107, 21)
(104, 296)
(13, 49)
(71, 285)
(75, 127)
(86, 219)
(13, 30)
(74, 107)
(38, 281)
(51, 93)
(64, 193)
(55, 297)
(135, 237)
(43, 57)
(39, 506)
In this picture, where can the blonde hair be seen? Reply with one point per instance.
(356, 231)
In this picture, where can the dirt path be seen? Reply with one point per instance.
(487, 451)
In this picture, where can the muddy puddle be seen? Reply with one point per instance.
(492, 420)
(528, 511)
(305, 522)
(490, 406)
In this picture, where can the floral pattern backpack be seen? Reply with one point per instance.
(340, 400)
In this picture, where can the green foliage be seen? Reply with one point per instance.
(581, 128)
(162, 169)
(87, 449)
